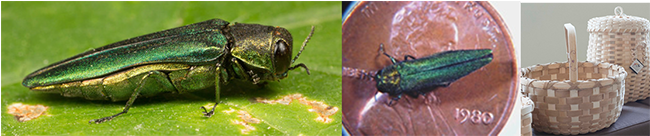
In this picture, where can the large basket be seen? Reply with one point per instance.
(592, 103)
(622, 39)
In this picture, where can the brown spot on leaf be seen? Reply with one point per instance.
(246, 120)
(24, 112)
(324, 111)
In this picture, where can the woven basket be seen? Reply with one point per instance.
(592, 103)
(527, 107)
(621, 40)
(571, 97)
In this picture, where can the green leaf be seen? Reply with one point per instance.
(36, 34)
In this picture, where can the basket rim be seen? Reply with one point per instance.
(620, 76)
(612, 23)
(527, 105)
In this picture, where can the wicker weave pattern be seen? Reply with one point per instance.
(620, 48)
(620, 40)
(621, 24)
(526, 116)
(592, 103)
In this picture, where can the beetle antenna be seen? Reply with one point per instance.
(381, 49)
(303, 47)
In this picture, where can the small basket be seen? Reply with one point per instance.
(527, 107)
(571, 97)
(622, 40)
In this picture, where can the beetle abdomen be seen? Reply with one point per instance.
(119, 86)
(195, 78)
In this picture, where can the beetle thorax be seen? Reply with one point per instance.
(255, 47)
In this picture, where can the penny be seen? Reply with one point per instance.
(477, 104)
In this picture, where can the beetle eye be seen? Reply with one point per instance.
(282, 57)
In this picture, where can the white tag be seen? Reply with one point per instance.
(636, 66)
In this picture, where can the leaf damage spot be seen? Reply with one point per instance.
(229, 111)
(246, 120)
(324, 111)
(24, 112)
(138, 127)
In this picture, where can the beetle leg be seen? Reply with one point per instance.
(239, 70)
(394, 99)
(219, 76)
(406, 57)
(376, 95)
(381, 49)
(434, 98)
(445, 84)
(209, 114)
(134, 96)
(254, 77)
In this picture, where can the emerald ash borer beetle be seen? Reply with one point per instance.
(419, 76)
(188, 58)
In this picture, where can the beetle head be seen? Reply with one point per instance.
(282, 54)
(388, 81)
(264, 52)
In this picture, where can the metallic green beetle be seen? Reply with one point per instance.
(418, 76)
(188, 58)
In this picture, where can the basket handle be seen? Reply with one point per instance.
(618, 11)
(571, 51)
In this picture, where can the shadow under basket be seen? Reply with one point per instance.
(591, 103)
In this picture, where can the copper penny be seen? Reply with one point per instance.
(479, 103)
